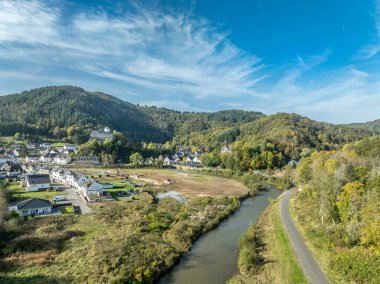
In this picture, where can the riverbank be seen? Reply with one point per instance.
(214, 256)
(274, 260)
(132, 241)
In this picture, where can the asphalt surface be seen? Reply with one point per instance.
(308, 263)
(70, 196)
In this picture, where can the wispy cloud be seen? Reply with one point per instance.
(159, 53)
(373, 48)
(176, 60)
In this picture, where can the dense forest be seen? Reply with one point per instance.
(341, 193)
(53, 110)
(255, 141)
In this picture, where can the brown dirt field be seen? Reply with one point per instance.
(186, 183)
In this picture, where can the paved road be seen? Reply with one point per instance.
(309, 265)
(76, 200)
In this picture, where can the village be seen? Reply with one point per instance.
(46, 179)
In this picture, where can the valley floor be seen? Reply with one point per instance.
(119, 242)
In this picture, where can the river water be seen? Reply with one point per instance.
(213, 257)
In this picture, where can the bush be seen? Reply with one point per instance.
(358, 265)
(247, 253)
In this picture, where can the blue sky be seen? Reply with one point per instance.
(316, 58)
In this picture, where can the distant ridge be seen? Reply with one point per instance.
(40, 111)
(373, 126)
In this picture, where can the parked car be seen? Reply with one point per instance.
(59, 198)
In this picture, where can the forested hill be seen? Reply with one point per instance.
(43, 110)
(373, 126)
(52, 110)
(290, 134)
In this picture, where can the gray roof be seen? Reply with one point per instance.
(38, 179)
(33, 203)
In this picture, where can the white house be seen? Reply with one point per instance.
(31, 207)
(31, 146)
(6, 158)
(45, 145)
(226, 149)
(168, 162)
(92, 187)
(47, 158)
(70, 147)
(102, 135)
(77, 180)
(197, 160)
(62, 159)
(37, 182)
(33, 159)
(87, 160)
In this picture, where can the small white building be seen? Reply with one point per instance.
(62, 159)
(31, 207)
(31, 146)
(102, 135)
(70, 147)
(32, 159)
(226, 149)
(37, 182)
(45, 145)
(168, 162)
(47, 158)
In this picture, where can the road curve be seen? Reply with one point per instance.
(309, 265)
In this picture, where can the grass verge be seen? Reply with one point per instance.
(275, 259)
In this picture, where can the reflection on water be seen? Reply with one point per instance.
(213, 257)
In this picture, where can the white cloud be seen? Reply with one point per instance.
(370, 50)
(172, 60)
(157, 52)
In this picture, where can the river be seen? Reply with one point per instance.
(213, 257)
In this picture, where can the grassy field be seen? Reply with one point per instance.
(121, 242)
(19, 193)
(273, 248)
(7, 139)
(58, 144)
(185, 183)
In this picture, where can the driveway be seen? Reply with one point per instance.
(308, 263)
(79, 205)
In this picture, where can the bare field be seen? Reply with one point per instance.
(185, 183)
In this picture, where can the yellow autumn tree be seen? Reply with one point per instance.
(348, 201)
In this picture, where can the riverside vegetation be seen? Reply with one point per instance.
(266, 255)
(341, 193)
(121, 242)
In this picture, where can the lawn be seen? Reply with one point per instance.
(58, 144)
(19, 193)
(6, 139)
(67, 210)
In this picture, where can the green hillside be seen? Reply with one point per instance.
(40, 111)
(373, 126)
(51, 111)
